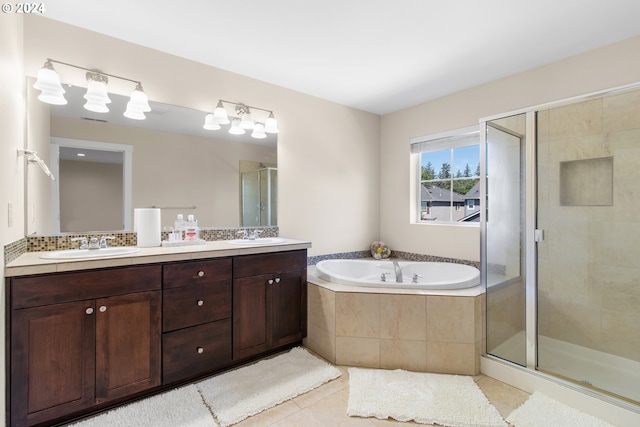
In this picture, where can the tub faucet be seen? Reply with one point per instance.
(398, 270)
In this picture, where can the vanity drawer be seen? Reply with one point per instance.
(196, 350)
(253, 265)
(57, 288)
(196, 272)
(193, 305)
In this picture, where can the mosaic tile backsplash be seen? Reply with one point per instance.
(66, 241)
(61, 242)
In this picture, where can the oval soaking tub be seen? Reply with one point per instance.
(415, 275)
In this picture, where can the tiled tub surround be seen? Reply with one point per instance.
(426, 331)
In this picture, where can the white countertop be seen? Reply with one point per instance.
(31, 263)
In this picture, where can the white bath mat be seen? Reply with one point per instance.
(181, 407)
(236, 395)
(447, 400)
(542, 411)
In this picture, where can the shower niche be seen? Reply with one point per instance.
(259, 196)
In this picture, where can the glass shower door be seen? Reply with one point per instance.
(588, 263)
(504, 241)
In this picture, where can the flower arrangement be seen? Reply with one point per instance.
(379, 250)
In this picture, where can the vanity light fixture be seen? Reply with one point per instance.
(51, 91)
(242, 121)
(48, 83)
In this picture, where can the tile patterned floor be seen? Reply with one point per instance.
(327, 406)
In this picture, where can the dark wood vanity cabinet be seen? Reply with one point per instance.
(269, 302)
(82, 339)
(95, 337)
(196, 318)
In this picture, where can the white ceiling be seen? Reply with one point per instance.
(375, 55)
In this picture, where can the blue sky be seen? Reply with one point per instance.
(462, 156)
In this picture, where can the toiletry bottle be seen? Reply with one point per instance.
(191, 231)
(178, 227)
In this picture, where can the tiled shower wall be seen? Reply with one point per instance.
(589, 262)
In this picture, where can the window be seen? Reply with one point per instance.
(448, 184)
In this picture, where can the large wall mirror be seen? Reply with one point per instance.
(106, 165)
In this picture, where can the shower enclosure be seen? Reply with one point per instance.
(560, 241)
(259, 196)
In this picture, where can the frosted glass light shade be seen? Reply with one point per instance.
(258, 131)
(271, 124)
(96, 107)
(138, 104)
(139, 100)
(246, 122)
(235, 128)
(48, 83)
(220, 115)
(97, 97)
(210, 122)
(134, 113)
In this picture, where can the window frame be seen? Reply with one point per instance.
(457, 138)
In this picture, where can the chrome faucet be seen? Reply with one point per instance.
(103, 241)
(398, 270)
(84, 243)
(94, 243)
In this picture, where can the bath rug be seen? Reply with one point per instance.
(446, 400)
(182, 407)
(236, 395)
(542, 411)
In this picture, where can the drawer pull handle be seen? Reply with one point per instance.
(270, 281)
(200, 350)
(200, 273)
(89, 310)
(277, 280)
(103, 308)
(200, 303)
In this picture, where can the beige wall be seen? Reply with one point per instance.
(90, 196)
(328, 154)
(12, 123)
(611, 66)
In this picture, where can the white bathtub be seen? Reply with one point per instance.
(415, 275)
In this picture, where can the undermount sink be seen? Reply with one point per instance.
(258, 241)
(90, 253)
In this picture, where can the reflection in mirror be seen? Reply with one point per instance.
(176, 165)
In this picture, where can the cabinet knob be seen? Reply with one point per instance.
(103, 308)
(270, 281)
(200, 350)
(89, 310)
(200, 273)
(277, 280)
(200, 303)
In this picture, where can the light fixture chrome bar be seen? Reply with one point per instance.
(93, 71)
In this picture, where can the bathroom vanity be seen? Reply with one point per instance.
(103, 332)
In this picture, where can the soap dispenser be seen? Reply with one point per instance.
(178, 227)
(191, 230)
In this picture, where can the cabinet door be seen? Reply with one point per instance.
(289, 308)
(52, 361)
(127, 344)
(251, 316)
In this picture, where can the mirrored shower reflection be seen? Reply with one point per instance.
(259, 197)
